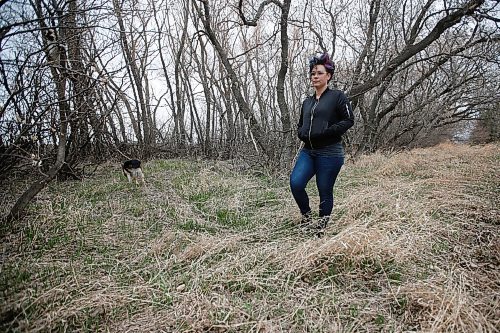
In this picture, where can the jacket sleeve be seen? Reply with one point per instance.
(300, 123)
(346, 116)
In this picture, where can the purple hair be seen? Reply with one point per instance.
(324, 60)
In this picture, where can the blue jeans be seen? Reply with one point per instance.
(326, 168)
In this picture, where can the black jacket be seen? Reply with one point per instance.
(322, 122)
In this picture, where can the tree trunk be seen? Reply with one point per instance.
(280, 87)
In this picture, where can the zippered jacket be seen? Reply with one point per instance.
(323, 121)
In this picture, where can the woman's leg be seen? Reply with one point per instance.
(302, 172)
(327, 169)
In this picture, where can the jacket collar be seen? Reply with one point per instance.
(324, 92)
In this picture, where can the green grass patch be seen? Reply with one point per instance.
(232, 219)
(191, 225)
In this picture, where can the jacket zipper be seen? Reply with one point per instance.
(311, 124)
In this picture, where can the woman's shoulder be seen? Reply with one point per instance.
(336, 91)
(308, 98)
(337, 94)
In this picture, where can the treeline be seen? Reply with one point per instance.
(90, 80)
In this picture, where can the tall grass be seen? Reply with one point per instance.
(413, 246)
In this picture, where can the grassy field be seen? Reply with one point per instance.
(413, 246)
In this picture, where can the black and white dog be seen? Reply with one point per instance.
(132, 170)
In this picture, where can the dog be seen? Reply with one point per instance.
(132, 170)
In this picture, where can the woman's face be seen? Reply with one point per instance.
(319, 76)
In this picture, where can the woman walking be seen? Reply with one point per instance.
(324, 118)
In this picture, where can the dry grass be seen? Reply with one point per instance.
(414, 246)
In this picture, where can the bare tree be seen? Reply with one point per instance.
(137, 64)
(59, 69)
(379, 65)
(236, 84)
(284, 63)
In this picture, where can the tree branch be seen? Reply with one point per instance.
(253, 22)
(410, 50)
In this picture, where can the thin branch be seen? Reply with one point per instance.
(260, 11)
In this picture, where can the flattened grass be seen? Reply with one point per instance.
(413, 246)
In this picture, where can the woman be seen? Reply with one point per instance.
(324, 118)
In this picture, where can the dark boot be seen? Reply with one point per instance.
(321, 225)
(306, 220)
